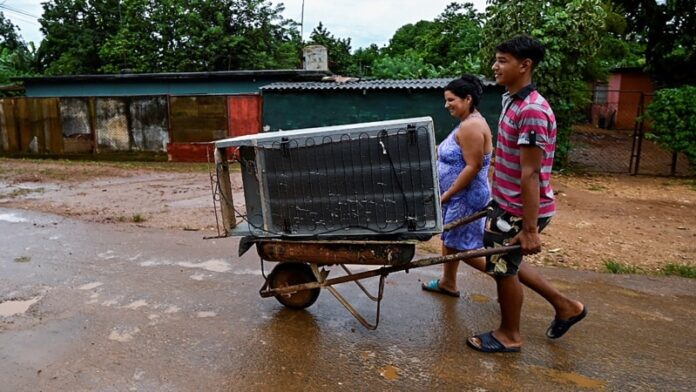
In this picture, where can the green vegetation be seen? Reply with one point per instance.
(669, 269)
(597, 188)
(683, 270)
(616, 267)
(137, 218)
(22, 259)
(23, 192)
(573, 33)
(673, 113)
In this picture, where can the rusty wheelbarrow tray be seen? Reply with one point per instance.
(297, 280)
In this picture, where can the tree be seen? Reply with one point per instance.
(16, 58)
(340, 59)
(571, 31)
(9, 38)
(450, 43)
(673, 113)
(405, 66)
(75, 31)
(166, 36)
(668, 31)
(455, 42)
(410, 37)
(364, 60)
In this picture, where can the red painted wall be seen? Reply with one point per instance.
(244, 115)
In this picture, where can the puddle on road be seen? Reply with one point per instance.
(576, 379)
(215, 265)
(247, 271)
(90, 286)
(124, 335)
(480, 298)
(136, 304)
(206, 314)
(11, 308)
(12, 218)
(389, 372)
(172, 309)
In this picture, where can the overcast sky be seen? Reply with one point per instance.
(364, 21)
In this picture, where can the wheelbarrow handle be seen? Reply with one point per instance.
(466, 219)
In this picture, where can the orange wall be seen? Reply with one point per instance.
(631, 85)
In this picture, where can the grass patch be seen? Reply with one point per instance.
(683, 270)
(597, 187)
(22, 259)
(616, 267)
(137, 218)
(23, 192)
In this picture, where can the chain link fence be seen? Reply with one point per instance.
(614, 139)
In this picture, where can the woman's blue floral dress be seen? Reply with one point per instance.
(473, 198)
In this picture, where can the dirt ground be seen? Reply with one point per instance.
(639, 221)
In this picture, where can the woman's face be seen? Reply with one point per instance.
(457, 106)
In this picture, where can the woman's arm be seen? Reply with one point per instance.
(471, 141)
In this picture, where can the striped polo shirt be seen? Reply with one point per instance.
(526, 119)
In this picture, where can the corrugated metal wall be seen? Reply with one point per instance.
(31, 125)
(198, 119)
(107, 124)
(78, 128)
(316, 108)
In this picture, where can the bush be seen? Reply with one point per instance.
(673, 113)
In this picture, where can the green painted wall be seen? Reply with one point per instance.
(316, 108)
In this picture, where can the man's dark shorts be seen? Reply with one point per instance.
(500, 228)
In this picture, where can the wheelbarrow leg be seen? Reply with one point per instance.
(364, 290)
(343, 301)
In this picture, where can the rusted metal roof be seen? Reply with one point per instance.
(379, 84)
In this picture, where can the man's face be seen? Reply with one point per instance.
(507, 69)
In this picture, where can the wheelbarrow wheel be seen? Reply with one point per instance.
(289, 274)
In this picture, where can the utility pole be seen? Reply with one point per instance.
(302, 23)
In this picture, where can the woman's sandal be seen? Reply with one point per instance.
(434, 286)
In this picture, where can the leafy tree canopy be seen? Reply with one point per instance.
(673, 112)
(572, 32)
(89, 36)
(668, 30)
(16, 58)
(9, 38)
(450, 43)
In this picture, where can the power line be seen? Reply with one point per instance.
(25, 20)
(18, 11)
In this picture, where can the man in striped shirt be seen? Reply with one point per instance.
(523, 198)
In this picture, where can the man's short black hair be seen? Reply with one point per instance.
(523, 47)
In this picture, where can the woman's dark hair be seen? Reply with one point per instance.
(523, 47)
(467, 85)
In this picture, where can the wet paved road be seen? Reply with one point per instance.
(117, 308)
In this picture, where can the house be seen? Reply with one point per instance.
(617, 103)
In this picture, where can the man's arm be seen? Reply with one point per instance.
(530, 161)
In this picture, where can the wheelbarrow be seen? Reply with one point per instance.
(356, 194)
